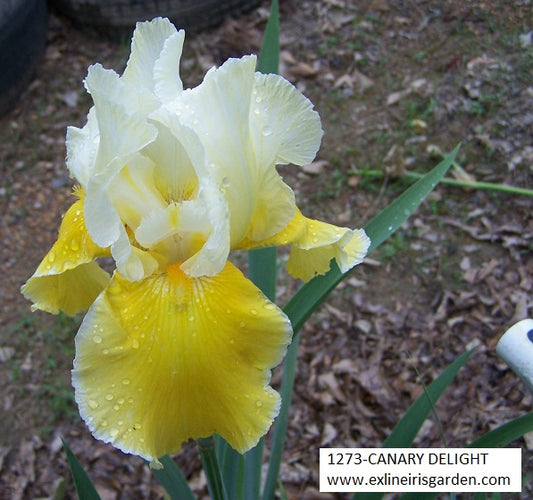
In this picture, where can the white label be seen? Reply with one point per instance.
(420, 469)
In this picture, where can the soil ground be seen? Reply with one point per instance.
(395, 82)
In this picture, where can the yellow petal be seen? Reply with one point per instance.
(171, 357)
(67, 279)
(314, 245)
(311, 254)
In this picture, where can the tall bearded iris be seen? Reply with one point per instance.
(177, 343)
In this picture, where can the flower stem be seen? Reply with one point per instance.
(456, 182)
(211, 467)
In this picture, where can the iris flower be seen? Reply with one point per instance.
(177, 343)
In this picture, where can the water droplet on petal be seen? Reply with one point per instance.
(259, 404)
(92, 404)
(135, 344)
(126, 381)
(267, 131)
(51, 257)
(253, 312)
(74, 245)
(97, 339)
(113, 433)
(109, 397)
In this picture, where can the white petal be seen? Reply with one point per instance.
(174, 172)
(134, 193)
(218, 111)
(155, 55)
(102, 220)
(274, 209)
(133, 263)
(121, 115)
(209, 202)
(82, 149)
(285, 128)
(158, 225)
(167, 83)
(211, 258)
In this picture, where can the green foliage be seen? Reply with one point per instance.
(84, 486)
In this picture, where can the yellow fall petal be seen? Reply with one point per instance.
(321, 242)
(171, 357)
(314, 245)
(67, 279)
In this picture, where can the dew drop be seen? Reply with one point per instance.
(242, 324)
(116, 407)
(259, 404)
(270, 307)
(267, 131)
(51, 257)
(120, 401)
(105, 351)
(120, 422)
(253, 312)
(113, 433)
(258, 99)
(135, 344)
(109, 397)
(74, 245)
(97, 339)
(126, 381)
(92, 404)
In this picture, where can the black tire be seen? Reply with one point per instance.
(23, 27)
(117, 18)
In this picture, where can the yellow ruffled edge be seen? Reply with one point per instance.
(171, 357)
(68, 279)
(314, 245)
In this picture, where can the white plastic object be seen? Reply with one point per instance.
(516, 349)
